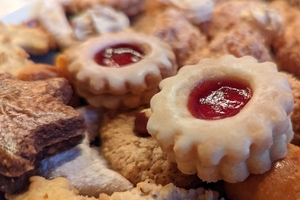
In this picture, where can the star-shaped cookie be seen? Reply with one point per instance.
(35, 122)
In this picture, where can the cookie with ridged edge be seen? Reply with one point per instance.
(232, 147)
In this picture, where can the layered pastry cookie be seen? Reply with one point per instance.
(36, 123)
(120, 69)
(137, 156)
(223, 118)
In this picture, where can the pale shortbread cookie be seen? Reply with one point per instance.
(232, 147)
(13, 58)
(138, 158)
(194, 10)
(135, 78)
(173, 28)
(86, 169)
(148, 190)
(57, 189)
(52, 16)
(34, 41)
(98, 19)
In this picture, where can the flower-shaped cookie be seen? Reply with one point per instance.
(224, 118)
(123, 64)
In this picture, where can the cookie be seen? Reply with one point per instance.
(36, 124)
(223, 118)
(138, 158)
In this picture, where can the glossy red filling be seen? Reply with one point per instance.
(217, 99)
(119, 55)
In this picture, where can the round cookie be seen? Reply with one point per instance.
(138, 158)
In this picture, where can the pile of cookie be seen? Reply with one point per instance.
(151, 99)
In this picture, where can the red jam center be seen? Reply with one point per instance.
(119, 55)
(217, 99)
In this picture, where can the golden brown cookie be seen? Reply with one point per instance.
(12, 57)
(56, 189)
(138, 158)
(295, 115)
(33, 40)
(286, 46)
(173, 28)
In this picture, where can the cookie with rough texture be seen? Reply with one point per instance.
(286, 46)
(138, 158)
(173, 28)
(295, 115)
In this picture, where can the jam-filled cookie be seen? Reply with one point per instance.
(122, 65)
(224, 118)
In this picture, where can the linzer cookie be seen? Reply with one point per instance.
(35, 123)
(224, 118)
(121, 69)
